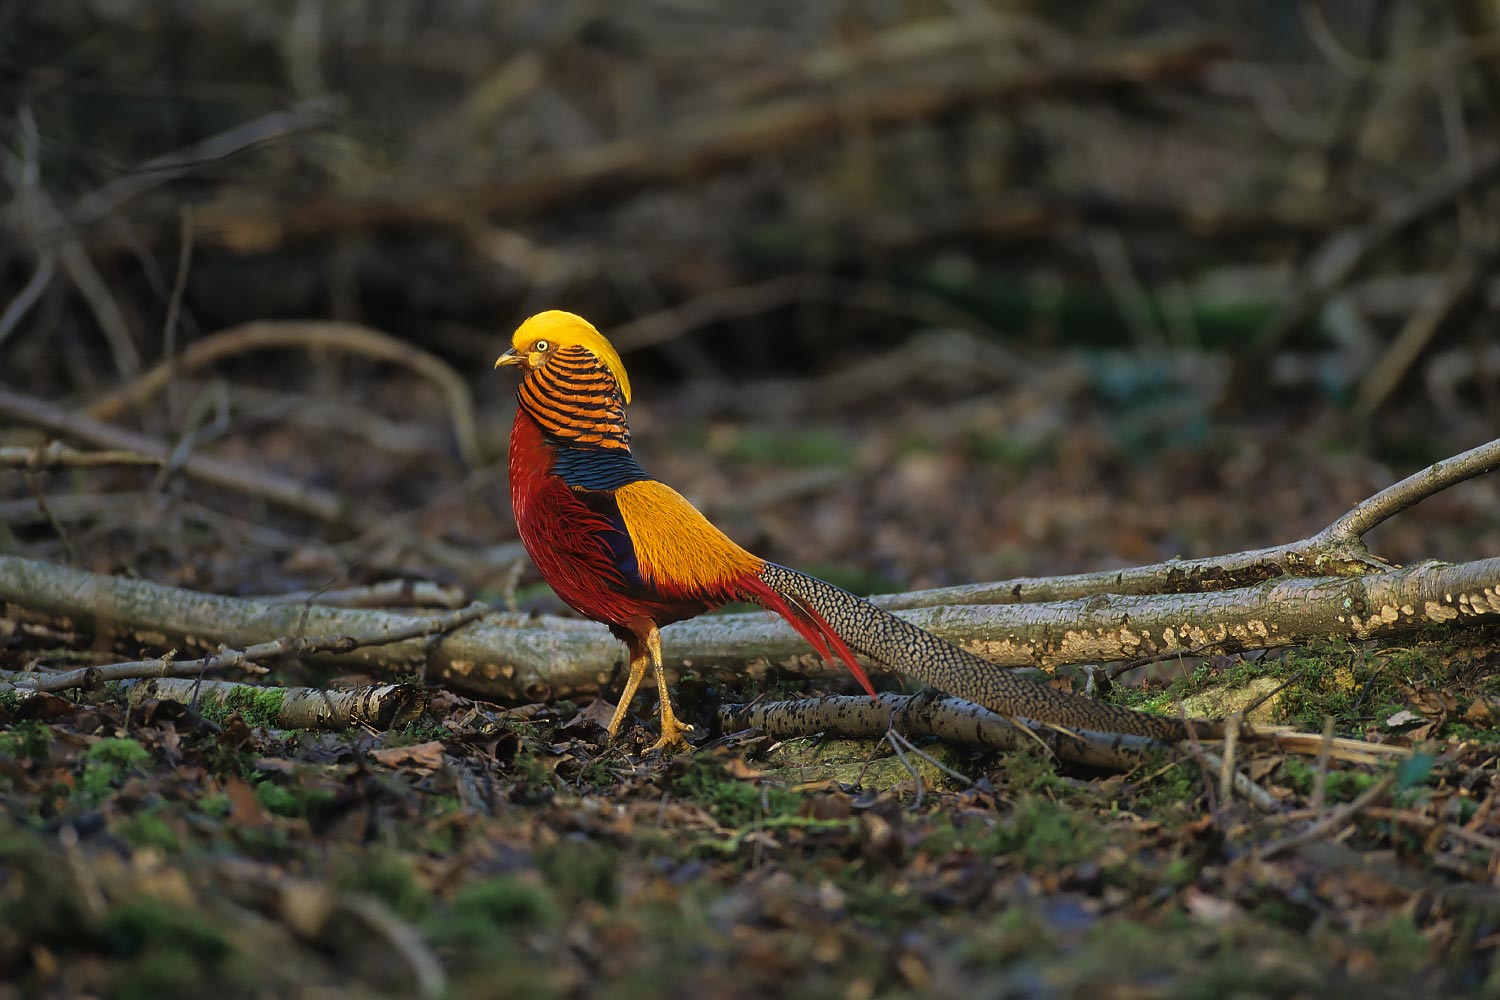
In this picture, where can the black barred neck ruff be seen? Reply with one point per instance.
(576, 400)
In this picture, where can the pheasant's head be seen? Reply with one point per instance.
(562, 336)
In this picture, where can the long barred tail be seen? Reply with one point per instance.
(848, 622)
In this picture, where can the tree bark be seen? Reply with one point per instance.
(379, 706)
(520, 658)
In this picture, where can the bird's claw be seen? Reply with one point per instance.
(673, 737)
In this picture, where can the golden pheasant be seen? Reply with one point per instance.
(631, 552)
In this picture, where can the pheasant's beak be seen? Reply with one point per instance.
(510, 357)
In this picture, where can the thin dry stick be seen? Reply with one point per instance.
(1338, 259)
(1334, 822)
(305, 335)
(46, 266)
(386, 594)
(1320, 776)
(285, 492)
(714, 141)
(174, 308)
(57, 455)
(916, 776)
(962, 779)
(426, 969)
(1227, 769)
(1206, 771)
(1116, 669)
(1244, 787)
(206, 153)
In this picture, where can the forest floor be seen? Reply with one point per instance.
(487, 850)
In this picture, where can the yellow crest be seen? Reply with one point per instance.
(564, 329)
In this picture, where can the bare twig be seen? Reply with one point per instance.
(1320, 774)
(386, 594)
(1410, 491)
(174, 309)
(1460, 286)
(208, 152)
(1339, 258)
(18, 307)
(305, 335)
(1334, 821)
(57, 455)
(1243, 786)
(289, 493)
(715, 141)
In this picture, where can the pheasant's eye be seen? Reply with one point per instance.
(540, 345)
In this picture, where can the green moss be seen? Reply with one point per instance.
(419, 730)
(120, 753)
(169, 951)
(1168, 788)
(257, 706)
(580, 869)
(732, 802)
(1398, 943)
(216, 805)
(105, 763)
(1041, 833)
(294, 800)
(388, 877)
(997, 446)
(149, 828)
(1338, 785)
(482, 909)
(27, 739)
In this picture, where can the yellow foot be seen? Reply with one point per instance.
(673, 735)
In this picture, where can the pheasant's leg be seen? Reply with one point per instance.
(672, 731)
(639, 658)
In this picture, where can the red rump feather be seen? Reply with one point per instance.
(808, 623)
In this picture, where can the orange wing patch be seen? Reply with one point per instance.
(677, 548)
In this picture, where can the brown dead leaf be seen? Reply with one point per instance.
(1482, 710)
(244, 805)
(1430, 702)
(596, 713)
(425, 757)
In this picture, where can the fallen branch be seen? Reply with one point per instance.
(378, 706)
(856, 717)
(519, 658)
(1337, 550)
(229, 659)
(304, 335)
